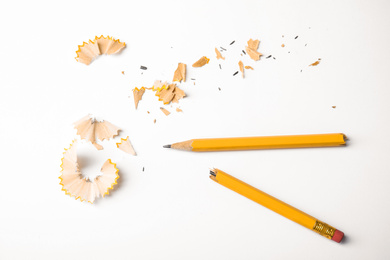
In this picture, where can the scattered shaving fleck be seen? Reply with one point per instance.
(219, 55)
(296, 37)
(201, 62)
(232, 42)
(269, 56)
(315, 63)
(143, 68)
(123, 72)
(219, 89)
(248, 67)
(235, 73)
(241, 65)
(222, 48)
(166, 112)
(283, 45)
(178, 110)
(251, 49)
(154, 121)
(220, 66)
(243, 52)
(333, 106)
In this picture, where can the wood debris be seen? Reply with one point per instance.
(251, 49)
(123, 72)
(282, 45)
(126, 146)
(178, 110)
(201, 62)
(315, 63)
(219, 55)
(91, 130)
(154, 121)
(75, 185)
(170, 94)
(166, 112)
(100, 45)
(138, 93)
(248, 67)
(158, 85)
(241, 65)
(180, 73)
(333, 106)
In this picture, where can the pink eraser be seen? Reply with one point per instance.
(338, 236)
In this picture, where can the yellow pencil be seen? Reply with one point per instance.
(276, 205)
(260, 142)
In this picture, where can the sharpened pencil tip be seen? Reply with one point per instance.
(167, 146)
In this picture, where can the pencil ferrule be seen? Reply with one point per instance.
(324, 229)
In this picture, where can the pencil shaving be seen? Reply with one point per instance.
(100, 45)
(201, 62)
(219, 55)
(138, 93)
(158, 85)
(253, 44)
(81, 188)
(91, 130)
(315, 63)
(108, 45)
(178, 110)
(180, 73)
(248, 67)
(251, 49)
(126, 146)
(166, 112)
(241, 65)
(170, 94)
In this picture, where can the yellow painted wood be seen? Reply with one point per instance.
(264, 199)
(268, 142)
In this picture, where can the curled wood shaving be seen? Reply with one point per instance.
(248, 67)
(219, 55)
(180, 73)
(178, 110)
(100, 45)
(75, 185)
(91, 130)
(201, 62)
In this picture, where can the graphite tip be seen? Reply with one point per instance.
(167, 146)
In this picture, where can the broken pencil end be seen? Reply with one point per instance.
(167, 146)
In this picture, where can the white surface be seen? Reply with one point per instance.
(172, 210)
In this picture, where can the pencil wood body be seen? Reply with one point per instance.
(276, 205)
(261, 142)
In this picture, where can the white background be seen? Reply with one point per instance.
(172, 210)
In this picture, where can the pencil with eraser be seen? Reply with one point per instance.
(276, 205)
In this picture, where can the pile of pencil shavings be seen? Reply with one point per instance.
(72, 181)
